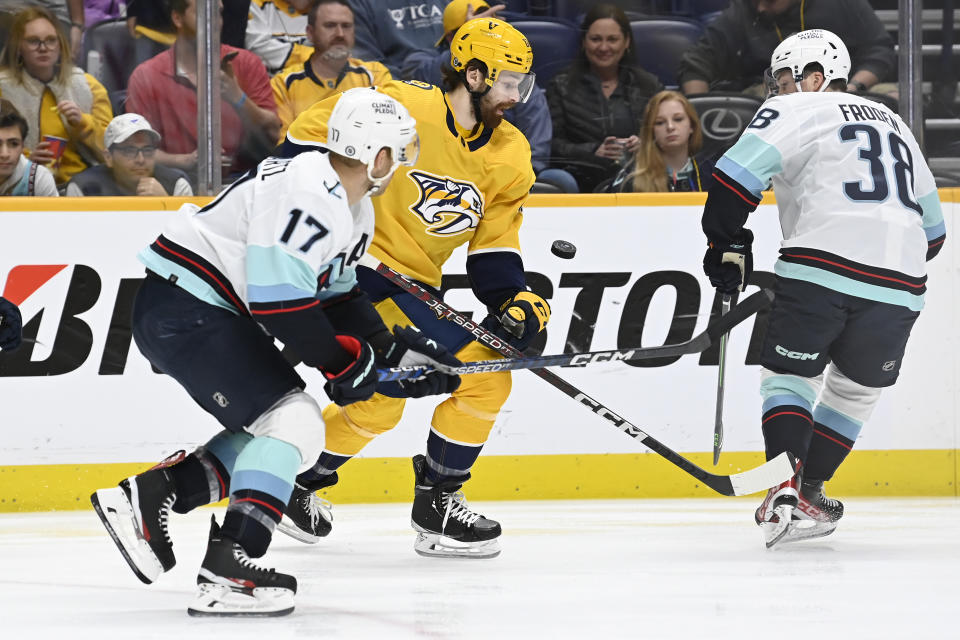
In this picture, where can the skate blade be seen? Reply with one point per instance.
(775, 529)
(116, 514)
(432, 545)
(287, 526)
(220, 601)
(796, 533)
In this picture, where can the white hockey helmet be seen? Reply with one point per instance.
(363, 121)
(812, 45)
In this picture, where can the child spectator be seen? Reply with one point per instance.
(19, 176)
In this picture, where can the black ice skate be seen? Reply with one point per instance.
(816, 514)
(445, 525)
(135, 515)
(308, 517)
(775, 514)
(230, 584)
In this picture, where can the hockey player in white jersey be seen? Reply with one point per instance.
(860, 217)
(272, 256)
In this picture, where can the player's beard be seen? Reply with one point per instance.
(488, 112)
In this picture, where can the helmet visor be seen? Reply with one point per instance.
(515, 85)
(407, 154)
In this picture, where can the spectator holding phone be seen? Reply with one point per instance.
(597, 103)
(164, 91)
(667, 157)
(71, 107)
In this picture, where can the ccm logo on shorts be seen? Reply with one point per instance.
(796, 355)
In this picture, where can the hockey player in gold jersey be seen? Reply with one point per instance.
(468, 187)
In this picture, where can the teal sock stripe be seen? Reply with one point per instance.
(267, 465)
(226, 446)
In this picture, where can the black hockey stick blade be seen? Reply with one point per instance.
(767, 475)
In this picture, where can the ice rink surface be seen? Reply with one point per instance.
(579, 569)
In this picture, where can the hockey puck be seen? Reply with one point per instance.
(563, 249)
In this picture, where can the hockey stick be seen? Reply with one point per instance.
(700, 342)
(767, 475)
(721, 372)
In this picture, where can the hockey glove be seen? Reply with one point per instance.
(358, 381)
(729, 264)
(519, 319)
(11, 325)
(413, 348)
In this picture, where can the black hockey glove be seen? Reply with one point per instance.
(413, 348)
(11, 325)
(358, 381)
(729, 264)
(519, 319)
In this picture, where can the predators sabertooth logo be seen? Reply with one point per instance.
(448, 207)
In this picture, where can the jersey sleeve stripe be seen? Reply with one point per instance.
(282, 306)
(274, 293)
(736, 188)
(272, 266)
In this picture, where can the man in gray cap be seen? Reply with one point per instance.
(130, 168)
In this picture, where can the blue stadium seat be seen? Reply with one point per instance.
(723, 117)
(554, 46)
(660, 44)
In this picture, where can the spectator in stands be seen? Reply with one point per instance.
(329, 69)
(164, 90)
(71, 107)
(130, 168)
(69, 14)
(95, 11)
(19, 176)
(277, 32)
(597, 103)
(532, 117)
(390, 30)
(736, 47)
(666, 158)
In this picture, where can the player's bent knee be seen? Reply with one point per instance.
(775, 385)
(295, 419)
(850, 398)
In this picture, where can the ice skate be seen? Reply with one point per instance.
(445, 525)
(230, 584)
(816, 515)
(135, 515)
(308, 517)
(775, 514)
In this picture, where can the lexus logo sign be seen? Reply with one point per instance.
(721, 123)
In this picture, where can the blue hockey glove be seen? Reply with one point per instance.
(412, 348)
(729, 264)
(519, 319)
(11, 325)
(358, 381)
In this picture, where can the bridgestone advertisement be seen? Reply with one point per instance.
(79, 391)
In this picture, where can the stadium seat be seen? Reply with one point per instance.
(723, 117)
(554, 46)
(660, 44)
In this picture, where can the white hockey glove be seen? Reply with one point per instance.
(413, 348)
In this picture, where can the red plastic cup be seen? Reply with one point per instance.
(57, 146)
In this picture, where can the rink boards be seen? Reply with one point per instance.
(83, 408)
